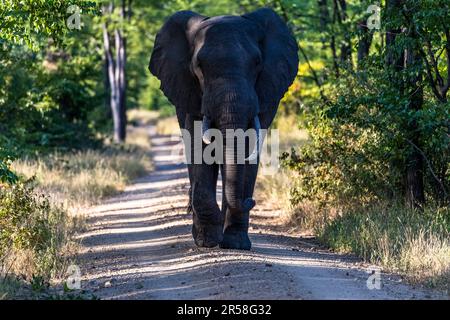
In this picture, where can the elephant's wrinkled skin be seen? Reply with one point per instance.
(229, 72)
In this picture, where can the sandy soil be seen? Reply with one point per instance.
(139, 246)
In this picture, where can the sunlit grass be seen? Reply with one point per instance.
(290, 133)
(273, 189)
(168, 126)
(142, 116)
(83, 178)
(411, 242)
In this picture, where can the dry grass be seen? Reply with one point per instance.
(400, 240)
(426, 258)
(142, 117)
(83, 178)
(410, 242)
(290, 134)
(168, 126)
(273, 189)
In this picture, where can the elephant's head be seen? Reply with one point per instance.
(230, 71)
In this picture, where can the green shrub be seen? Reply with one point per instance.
(6, 175)
(6, 156)
(32, 233)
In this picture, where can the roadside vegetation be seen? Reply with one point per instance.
(84, 177)
(373, 176)
(34, 240)
(411, 242)
(58, 150)
(408, 241)
(41, 212)
(168, 126)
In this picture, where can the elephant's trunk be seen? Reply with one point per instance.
(234, 178)
(234, 181)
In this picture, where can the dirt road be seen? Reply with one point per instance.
(139, 246)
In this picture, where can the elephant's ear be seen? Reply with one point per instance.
(280, 58)
(170, 63)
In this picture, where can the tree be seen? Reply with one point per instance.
(117, 66)
(365, 37)
(383, 131)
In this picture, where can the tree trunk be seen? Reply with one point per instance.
(365, 40)
(409, 57)
(346, 51)
(333, 43)
(107, 87)
(415, 194)
(324, 17)
(392, 60)
(117, 75)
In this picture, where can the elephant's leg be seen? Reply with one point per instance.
(207, 229)
(188, 124)
(236, 223)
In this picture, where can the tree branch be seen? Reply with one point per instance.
(315, 77)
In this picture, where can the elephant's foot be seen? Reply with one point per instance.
(236, 239)
(207, 235)
(235, 235)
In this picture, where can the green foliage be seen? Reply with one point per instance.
(6, 175)
(31, 21)
(49, 81)
(362, 129)
(30, 227)
(6, 156)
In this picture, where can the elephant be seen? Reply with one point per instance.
(227, 72)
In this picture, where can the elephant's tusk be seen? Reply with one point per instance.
(259, 140)
(205, 127)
